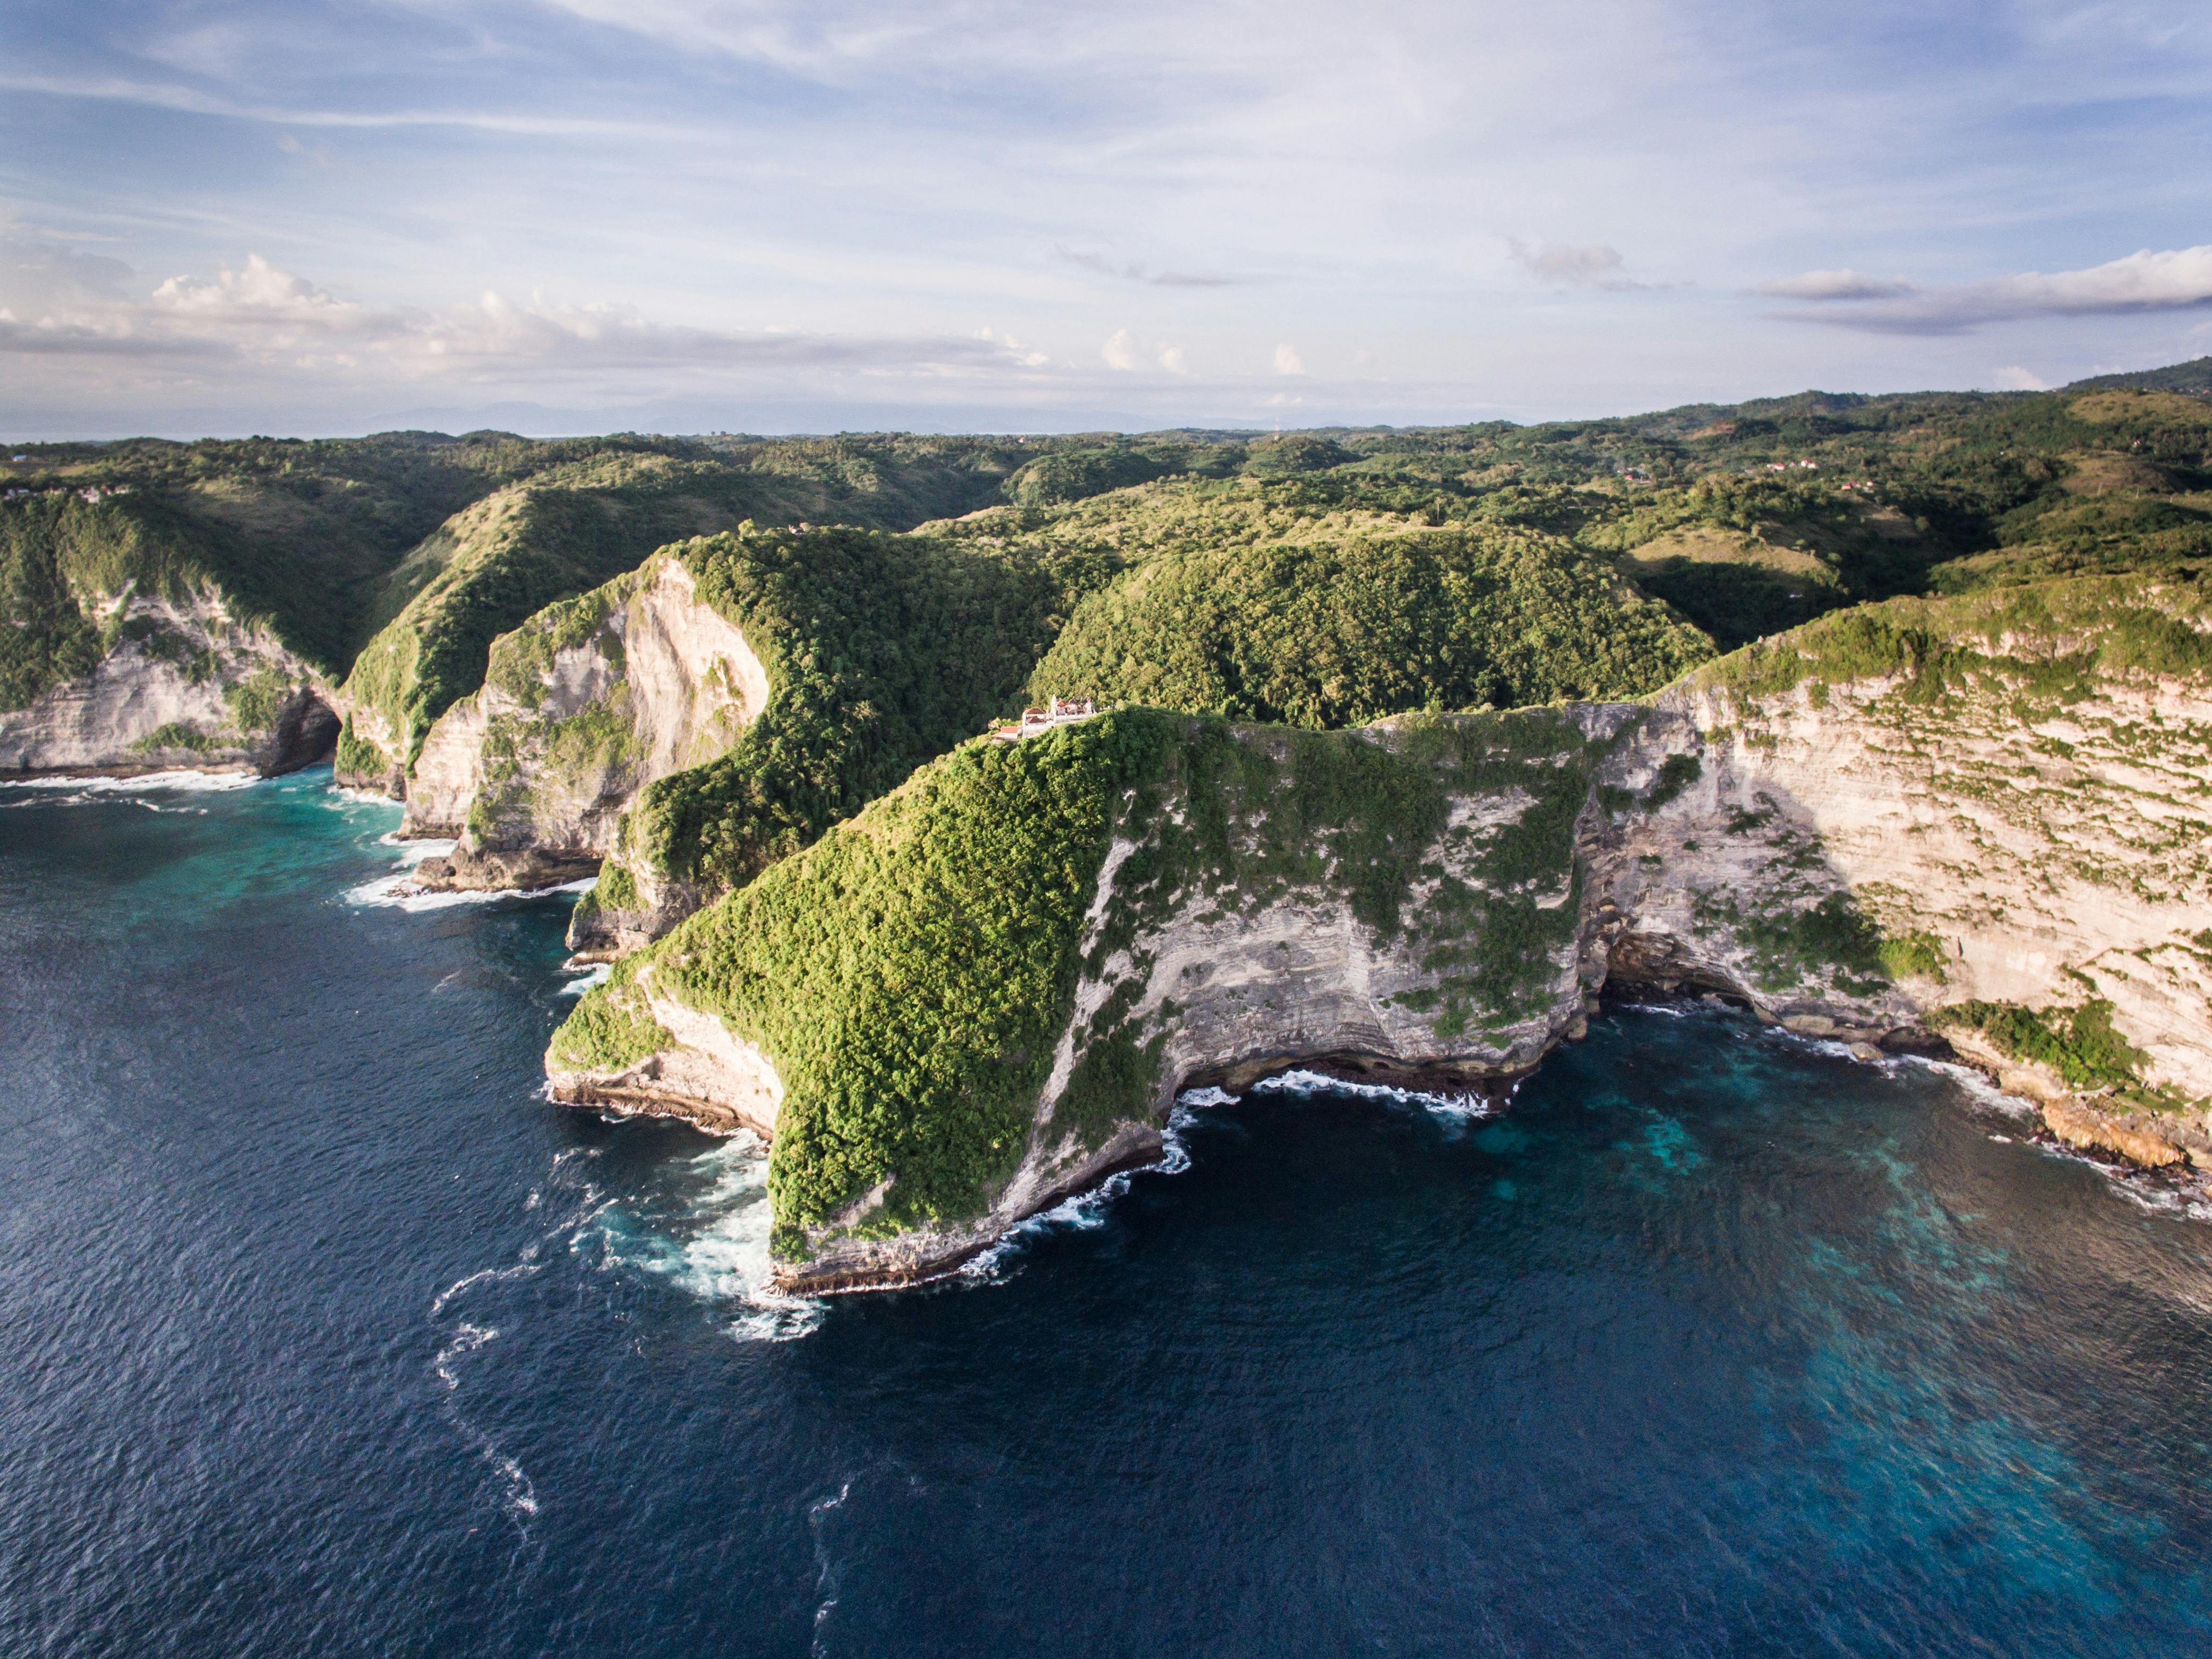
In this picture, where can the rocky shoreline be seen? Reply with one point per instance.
(2141, 1145)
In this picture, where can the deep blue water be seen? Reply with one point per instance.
(325, 1336)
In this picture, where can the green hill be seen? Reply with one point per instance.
(1341, 631)
(2192, 378)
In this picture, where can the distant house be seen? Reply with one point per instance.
(1062, 711)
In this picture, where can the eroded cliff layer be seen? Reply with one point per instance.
(1983, 816)
(181, 682)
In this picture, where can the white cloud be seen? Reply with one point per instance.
(2143, 282)
(1120, 350)
(1288, 361)
(1836, 285)
(260, 294)
(1595, 266)
(1172, 360)
(2016, 378)
(1132, 270)
(261, 316)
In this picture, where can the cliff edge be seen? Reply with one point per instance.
(1981, 819)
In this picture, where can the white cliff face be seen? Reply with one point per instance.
(2043, 861)
(706, 1075)
(578, 714)
(185, 684)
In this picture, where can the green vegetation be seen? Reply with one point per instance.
(294, 535)
(1737, 516)
(564, 530)
(881, 652)
(328, 541)
(528, 751)
(177, 735)
(51, 639)
(255, 702)
(2051, 637)
(2079, 1043)
(1337, 633)
(1789, 947)
(908, 974)
(358, 758)
(609, 1029)
(1917, 954)
(617, 888)
(2193, 379)
(1676, 773)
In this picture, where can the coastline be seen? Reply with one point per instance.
(2060, 1119)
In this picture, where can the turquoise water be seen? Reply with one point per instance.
(327, 1336)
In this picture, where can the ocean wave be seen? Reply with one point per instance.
(522, 1269)
(179, 779)
(584, 978)
(1975, 1086)
(400, 892)
(518, 1497)
(1464, 1107)
(1092, 1209)
(346, 792)
(413, 849)
(718, 1250)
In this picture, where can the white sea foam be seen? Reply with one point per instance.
(1465, 1107)
(522, 1269)
(1976, 1086)
(1200, 1098)
(400, 892)
(587, 978)
(178, 780)
(518, 1497)
(413, 850)
(1087, 1211)
(718, 1250)
(826, 1576)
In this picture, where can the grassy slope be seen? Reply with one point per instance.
(329, 542)
(905, 974)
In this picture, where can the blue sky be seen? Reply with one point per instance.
(564, 216)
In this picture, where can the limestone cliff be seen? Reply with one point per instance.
(181, 682)
(1982, 820)
(582, 707)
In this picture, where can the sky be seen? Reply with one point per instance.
(219, 218)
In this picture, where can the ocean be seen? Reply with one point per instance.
(325, 1334)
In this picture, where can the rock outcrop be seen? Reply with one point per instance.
(582, 707)
(183, 683)
(1987, 823)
